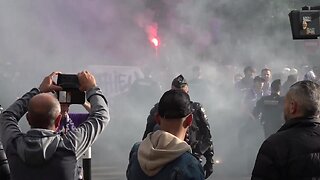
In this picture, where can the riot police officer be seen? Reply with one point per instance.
(269, 109)
(198, 136)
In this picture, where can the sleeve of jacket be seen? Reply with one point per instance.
(265, 167)
(85, 135)
(150, 121)
(9, 118)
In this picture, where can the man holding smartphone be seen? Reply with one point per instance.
(41, 153)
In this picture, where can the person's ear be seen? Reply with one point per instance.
(29, 119)
(186, 89)
(157, 118)
(57, 121)
(188, 121)
(293, 108)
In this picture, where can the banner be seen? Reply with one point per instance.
(115, 80)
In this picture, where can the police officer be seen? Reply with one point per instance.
(198, 136)
(269, 109)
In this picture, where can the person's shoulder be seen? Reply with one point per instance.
(280, 137)
(187, 159)
(278, 144)
(198, 108)
(134, 151)
(135, 147)
(196, 105)
(155, 106)
(154, 109)
(188, 167)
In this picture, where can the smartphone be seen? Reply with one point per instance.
(70, 93)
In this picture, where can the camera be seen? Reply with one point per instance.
(305, 23)
(70, 93)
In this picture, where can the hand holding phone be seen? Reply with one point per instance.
(86, 80)
(48, 85)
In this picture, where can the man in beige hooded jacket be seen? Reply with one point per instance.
(164, 154)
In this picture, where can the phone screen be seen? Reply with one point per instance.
(62, 96)
(71, 97)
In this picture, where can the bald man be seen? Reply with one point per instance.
(41, 153)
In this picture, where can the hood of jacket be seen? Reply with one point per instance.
(158, 149)
(37, 146)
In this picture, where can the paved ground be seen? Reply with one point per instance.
(112, 173)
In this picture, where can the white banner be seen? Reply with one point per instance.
(115, 80)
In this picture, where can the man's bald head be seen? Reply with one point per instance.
(43, 111)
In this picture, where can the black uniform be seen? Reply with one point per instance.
(269, 109)
(198, 137)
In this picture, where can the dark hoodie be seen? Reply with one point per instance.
(44, 154)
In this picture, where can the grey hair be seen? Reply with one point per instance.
(307, 96)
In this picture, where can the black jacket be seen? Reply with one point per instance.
(292, 153)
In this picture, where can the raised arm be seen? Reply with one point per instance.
(9, 118)
(85, 135)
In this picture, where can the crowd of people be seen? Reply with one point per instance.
(262, 96)
(178, 141)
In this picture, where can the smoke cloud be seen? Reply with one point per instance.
(112, 39)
